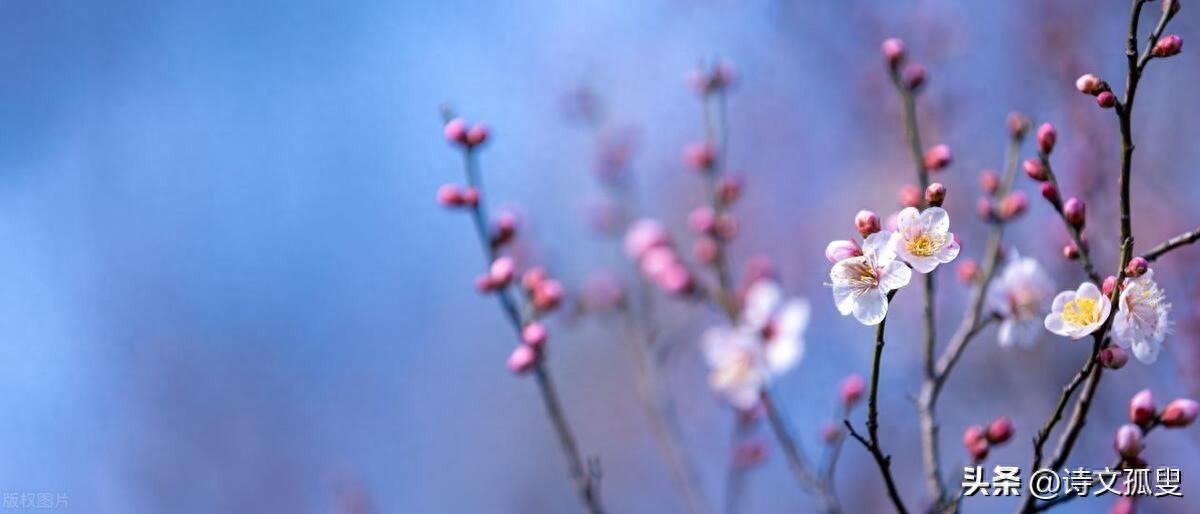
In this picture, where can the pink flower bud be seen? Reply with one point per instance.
(979, 450)
(1000, 430)
(1137, 267)
(702, 219)
(935, 194)
(534, 334)
(1141, 406)
(705, 250)
(533, 278)
(1013, 205)
(1070, 252)
(1110, 283)
(1106, 99)
(1168, 46)
(449, 195)
(470, 196)
(548, 295)
(968, 271)
(937, 157)
(1089, 84)
(1046, 137)
(840, 250)
(477, 134)
(676, 280)
(729, 189)
(699, 156)
(644, 235)
(852, 390)
(1113, 357)
(1128, 442)
(830, 432)
(1075, 211)
(1035, 170)
(505, 229)
(866, 222)
(913, 76)
(456, 131)
(1124, 505)
(893, 51)
(502, 271)
(983, 207)
(973, 434)
(523, 359)
(989, 181)
(484, 284)
(1050, 193)
(1179, 413)
(910, 196)
(726, 226)
(1018, 124)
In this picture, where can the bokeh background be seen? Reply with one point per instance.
(227, 286)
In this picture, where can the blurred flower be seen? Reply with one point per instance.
(1078, 313)
(1141, 322)
(924, 238)
(767, 341)
(1018, 294)
(860, 284)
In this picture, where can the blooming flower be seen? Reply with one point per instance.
(1019, 294)
(1141, 321)
(860, 284)
(767, 340)
(925, 238)
(1078, 313)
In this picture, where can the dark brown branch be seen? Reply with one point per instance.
(1183, 239)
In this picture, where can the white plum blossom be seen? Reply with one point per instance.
(1078, 313)
(767, 341)
(1019, 294)
(861, 284)
(1141, 322)
(925, 238)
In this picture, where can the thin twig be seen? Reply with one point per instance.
(882, 460)
(1180, 240)
(1085, 254)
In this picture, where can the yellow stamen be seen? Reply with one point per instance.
(1080, 312)
(925, 245)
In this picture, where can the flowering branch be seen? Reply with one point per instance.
(882, 460)
(1183, 239)
(1072, 213)
(584, 474)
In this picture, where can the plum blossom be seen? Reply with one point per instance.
(1141, 322)
(1078, 313)
(767, 341)
(924, 238)
(861, 284)
(1019, 294)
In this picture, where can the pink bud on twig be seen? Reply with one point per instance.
(1106, 99)
(1046, 137)
(702, 219)
(837, 251)
(893, 51)
(470, 196)
(699, 156)
(533, 278)
(729, 189)
(1180, 413)
(477, 134)
(705, 250)
(1018, 124)
(989, 181)
(968, 271)
(1075, 211)
(1128, 442)
(522, 359)
(455, 131)
(1137, 267)
(1090, 84)
(1013, 205)
(1168, 46)
(937, 157)
(1000, 430)
(1050, 193)
(534, 335)
(913, 76)
(1141, 407)
(449, 195)
(548, 295)
(867, 223)
(1070, 252)
(983, 207)
(852, 390)
(1109, 284)
(1113, 357)
(935, 194)
(1033, 167)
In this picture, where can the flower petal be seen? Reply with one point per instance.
(894, 276)
(936, 219)
(1060, 301)
(1088, 290)
(909, 219)
(761, 301)
(1146, 351)
(1055, 324)
(949, 251)
(871, 308)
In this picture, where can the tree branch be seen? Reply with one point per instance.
(1183, 239)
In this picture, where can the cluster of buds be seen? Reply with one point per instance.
(466, 135)
(1143, 415)
(1012, 206)
(912, 75)
(719, 77)
(979, 440)
(648, 243)
(850, 393)
(526, 356)
(867, 223)
(714, 226)
(544, 293)
(1089, 84)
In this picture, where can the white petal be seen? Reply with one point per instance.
(1005, 335)
(949, 251)
(936, 219)
(920, 264)
(1146, 351)
(909, 219)
(894, 276)
(844, 298)
(720, 345)
(744, 397)
(761, 301)
(1088, 290)
(1061, 300)
(787, 346)
(880, 247)
(871, 308)
(1055, 324)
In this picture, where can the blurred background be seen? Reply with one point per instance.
(227, 286)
